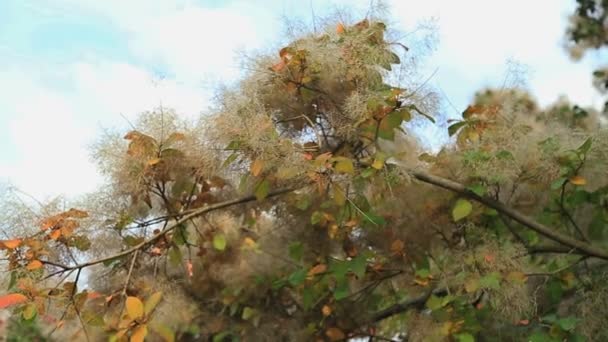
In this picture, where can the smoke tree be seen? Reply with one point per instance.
(304, 208)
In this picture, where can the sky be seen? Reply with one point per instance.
(69, 68)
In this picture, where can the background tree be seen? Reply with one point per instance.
(302, 208)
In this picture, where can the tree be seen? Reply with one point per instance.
(302, 209)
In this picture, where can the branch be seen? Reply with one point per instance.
(540, 228)
(185, 218)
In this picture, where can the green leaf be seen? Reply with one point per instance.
(584, 148)
(375, 219)
(490, 281)
(303, 202)
(465, 337)
(316, 217)
(219, 242)
(342, 289)
(567, 323)
(453, 128)
(358, 265)
(461, 209)
(434, 302)
(296, 250)
(478, 189)
(504, 154)
(262, 189)
(597, 227)
(231, 158)
(298, 277)
(175, 255)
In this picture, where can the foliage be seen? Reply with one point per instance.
(300, 209)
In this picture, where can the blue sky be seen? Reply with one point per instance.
(70, 67)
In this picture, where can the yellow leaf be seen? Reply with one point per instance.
(10, 244)
(339, 195)
(287, 172)
(29, 312)
(152, 302)
(249, 242)
(154, 161)
(34, 265)
(517, 277)
(471, 285)
(578, 180)
(256, 167)
(135, 308)
(335, 334)
(377, 164)
(139, 334)
(345, 165)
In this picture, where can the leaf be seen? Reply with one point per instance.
(256, 167)
(490, 281)
(584, 148)
(175, 136)
(471, 285)
(465, 337)
(298, 277)
(10, 244)
(344, 165)
(34, 265)
(152, 302)
(340, 29)
(29, 311)
(135, 308)
(12, 299)
(153, 161)
(335, 334)
(164, 332)
(262, 189)
(219, 242)
(326, 310)
(247, 313)
(296, 250)
(397, 247)
(461, 209)
(139, 333)
(568, 323)
(359, 265)
(578, 180)
(317, 269)
(453, 129)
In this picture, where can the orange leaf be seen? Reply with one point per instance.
(340, 28)
(326, 310)
(397, 247)
(12, 299)
(34, 265)
(523, 322)
(320, 268)
(135, 308)
(278, 67)
(189, 268)
(139, 333)
(55, 234)
(10, 244)
(335, 334)
(256, 167)
(75, 213)
(578, 180)
(489, 258)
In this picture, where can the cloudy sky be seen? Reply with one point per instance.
(70, 67)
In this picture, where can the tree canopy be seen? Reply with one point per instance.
(306, 207)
